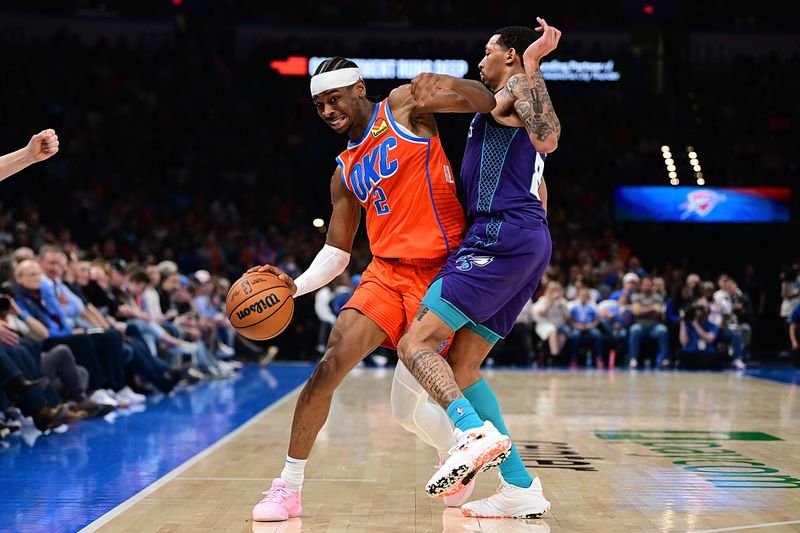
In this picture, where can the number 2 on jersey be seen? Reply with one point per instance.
(380, 203)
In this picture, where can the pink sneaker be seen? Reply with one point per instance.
(459, 498)
(280, 503)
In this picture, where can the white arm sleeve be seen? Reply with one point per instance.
(329, 263)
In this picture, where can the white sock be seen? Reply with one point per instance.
(293, 472)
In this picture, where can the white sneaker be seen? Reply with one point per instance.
(475, 450)
(459, 498)
(102, 397)
(633, 364)
(132, 397)
(510, 501)
(738, 364)
(121, 402)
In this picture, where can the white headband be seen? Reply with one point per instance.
(334, 79)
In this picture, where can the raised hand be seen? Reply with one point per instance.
(545, 44)
(43, 145)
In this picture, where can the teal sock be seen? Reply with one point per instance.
(463, 415)
(482, 398)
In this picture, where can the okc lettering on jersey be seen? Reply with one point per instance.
(373, 168)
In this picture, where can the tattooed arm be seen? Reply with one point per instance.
(532, 101)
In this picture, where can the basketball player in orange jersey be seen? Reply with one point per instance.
(394, 167)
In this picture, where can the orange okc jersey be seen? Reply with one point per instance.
(406, 186)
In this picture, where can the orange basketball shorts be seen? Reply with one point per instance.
(390, 293)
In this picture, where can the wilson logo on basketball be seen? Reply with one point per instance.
(379, 128)
(259, 306)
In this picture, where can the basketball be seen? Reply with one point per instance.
(259, 305)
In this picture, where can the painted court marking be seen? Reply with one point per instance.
(738, 528)
(142, 494)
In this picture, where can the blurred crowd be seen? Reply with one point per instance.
(82, 337)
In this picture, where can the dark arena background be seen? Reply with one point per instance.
(190, 151)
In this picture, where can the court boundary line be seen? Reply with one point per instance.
(178, 470)
(764, 379)
(738, 528)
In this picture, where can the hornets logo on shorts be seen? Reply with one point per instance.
(467, 261)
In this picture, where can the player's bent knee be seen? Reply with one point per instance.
(465, 373)
(412, 342)
(326, 375)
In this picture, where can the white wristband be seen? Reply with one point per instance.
(329, 263)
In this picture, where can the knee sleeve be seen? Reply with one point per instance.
(413, 411)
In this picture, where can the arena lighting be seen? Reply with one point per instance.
(398, 68)
(318, 222)
(390, 69)
(573, 70)
(694, 161)
(648, 9)
(669, 163)
(291, 66)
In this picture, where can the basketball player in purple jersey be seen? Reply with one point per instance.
(484, 285)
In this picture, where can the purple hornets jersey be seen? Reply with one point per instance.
(486, 283)
(501, 173)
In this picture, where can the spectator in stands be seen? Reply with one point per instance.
(29, 395)
(630, 284)
(698, 336)
(585, 326)
(517, 348)
(721, 315)
(794, 335)
(660, 286)
(552, 316)
(170, 283)
(68, 379)
(323, 309)
(693, 283)
(742, 315)
(790, 292)
(616, 318)
(647, 307)
(41, 146)
(579, 282)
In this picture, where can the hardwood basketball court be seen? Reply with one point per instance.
(616, 451)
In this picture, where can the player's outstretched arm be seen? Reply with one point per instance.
(533, 104)
(41, 146)
(440, 93)
(335, 255)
